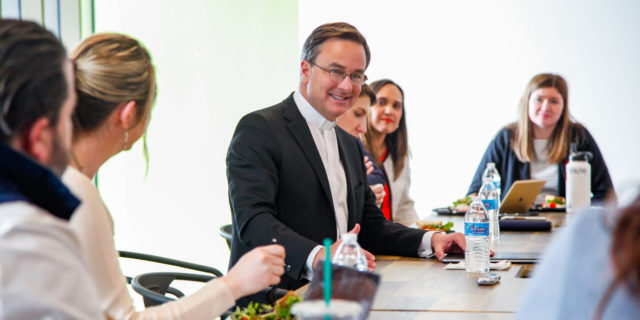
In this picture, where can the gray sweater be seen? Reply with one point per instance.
(575, 273)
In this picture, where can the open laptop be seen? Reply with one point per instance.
(521, 196)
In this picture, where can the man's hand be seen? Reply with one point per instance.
(447, 243)
(322, 253)
(256, 270)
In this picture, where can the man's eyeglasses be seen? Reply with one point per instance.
(357, 79)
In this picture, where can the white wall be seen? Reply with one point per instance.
(464, 65)
(215, 61)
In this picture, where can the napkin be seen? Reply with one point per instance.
(493, 265)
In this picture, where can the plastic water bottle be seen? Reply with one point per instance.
(492, 173)
(491, 201)
(578, 185)
(349, 253)
(476, 234)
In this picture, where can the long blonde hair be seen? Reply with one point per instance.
(111, 69)
(522, 140)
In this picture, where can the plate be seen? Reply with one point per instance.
(540, 208)
(446, 211)
(415, 226)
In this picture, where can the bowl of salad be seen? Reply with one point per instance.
(281, 310)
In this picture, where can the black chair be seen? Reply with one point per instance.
(168, 261)
(225, 232)
(154, 286)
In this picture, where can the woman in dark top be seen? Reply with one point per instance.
(537, 144)
(354, 122)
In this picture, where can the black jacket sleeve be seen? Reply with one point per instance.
(252, 172)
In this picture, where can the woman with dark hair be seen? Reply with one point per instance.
(354, 122)
(386, 141)
(591, 270)
(536, 146)
(116, 87)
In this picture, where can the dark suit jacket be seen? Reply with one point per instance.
(278, 188)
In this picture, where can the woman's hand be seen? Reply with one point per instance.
(256, 270)
(378, 190)
(368, 164)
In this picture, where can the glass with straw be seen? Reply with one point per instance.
(327, 309)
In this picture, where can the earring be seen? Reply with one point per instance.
(126, 138)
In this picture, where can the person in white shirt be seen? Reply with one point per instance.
(42, 270)
(116, 88)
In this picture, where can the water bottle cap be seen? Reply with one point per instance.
(580, 156)
(349, 237)
(491, 165)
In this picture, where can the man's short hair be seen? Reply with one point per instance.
(32, 80)
(340, 30)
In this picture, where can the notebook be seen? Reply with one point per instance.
(521, 196)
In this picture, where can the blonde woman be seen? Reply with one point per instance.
(116, 87)
(537, 144)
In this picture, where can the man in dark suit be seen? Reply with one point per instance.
(297, 178)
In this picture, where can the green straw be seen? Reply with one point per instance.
(327, 274)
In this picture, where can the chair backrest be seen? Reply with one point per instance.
(169, 261)
(153, 286)
(225, 232)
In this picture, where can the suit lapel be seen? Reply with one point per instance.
(349, 172)
(299, 129)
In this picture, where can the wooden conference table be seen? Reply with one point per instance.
(420, 289)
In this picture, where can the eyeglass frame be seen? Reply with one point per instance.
(342, 74)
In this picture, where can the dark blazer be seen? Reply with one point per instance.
(512, 169)
(376, 176)
(278, 189)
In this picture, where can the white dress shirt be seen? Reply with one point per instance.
(324, 136)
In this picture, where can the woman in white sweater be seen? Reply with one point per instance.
(116, 86)
(386, 141)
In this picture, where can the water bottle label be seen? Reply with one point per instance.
(490, 204)
(476, 229)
